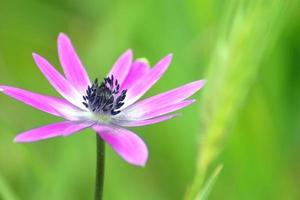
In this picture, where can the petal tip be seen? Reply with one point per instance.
(126, 56)
(38, 59)
(62, 37)
(143, 60)
(23, 139)
(61, 34)
(36, 56)
(143, 164)
(164, 63)
(140, 163)
(169, 57)
(201, 83)
(204, 81)
(129, 53)
(17, 140)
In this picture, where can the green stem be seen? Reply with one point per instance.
(99, 168)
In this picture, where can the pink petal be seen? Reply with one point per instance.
(55, 106)
(49, 131)
(165, 99)
(127, 123)
(142, 113)
(126, 143)
(58, 81)
(73, 69)
(137, 71)
(143, 85)
(122, 66)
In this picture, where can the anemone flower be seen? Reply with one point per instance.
(109, 106)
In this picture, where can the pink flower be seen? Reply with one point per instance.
(107, 107)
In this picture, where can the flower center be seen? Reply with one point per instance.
(104, 98)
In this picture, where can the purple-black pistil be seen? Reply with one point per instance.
(106, 97)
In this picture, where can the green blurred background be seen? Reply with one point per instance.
(246, 118)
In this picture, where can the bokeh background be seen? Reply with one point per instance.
(247, 118)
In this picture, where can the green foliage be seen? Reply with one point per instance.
(243, 41)
(5, 191)
(207, 188)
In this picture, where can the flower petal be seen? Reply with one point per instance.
(73, 69)
(64, 128)
(138, 70)
(142, 113)
(143, 85)
(127, 123)
(53, 105)
(122, 66)
(58, 81)
(167, 98)
(126, 143)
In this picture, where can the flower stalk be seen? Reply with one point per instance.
(100, 165)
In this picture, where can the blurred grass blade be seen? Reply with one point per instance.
(5, 192)
(248, 31)
(209, 184)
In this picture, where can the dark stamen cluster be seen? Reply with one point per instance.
(105, 97)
